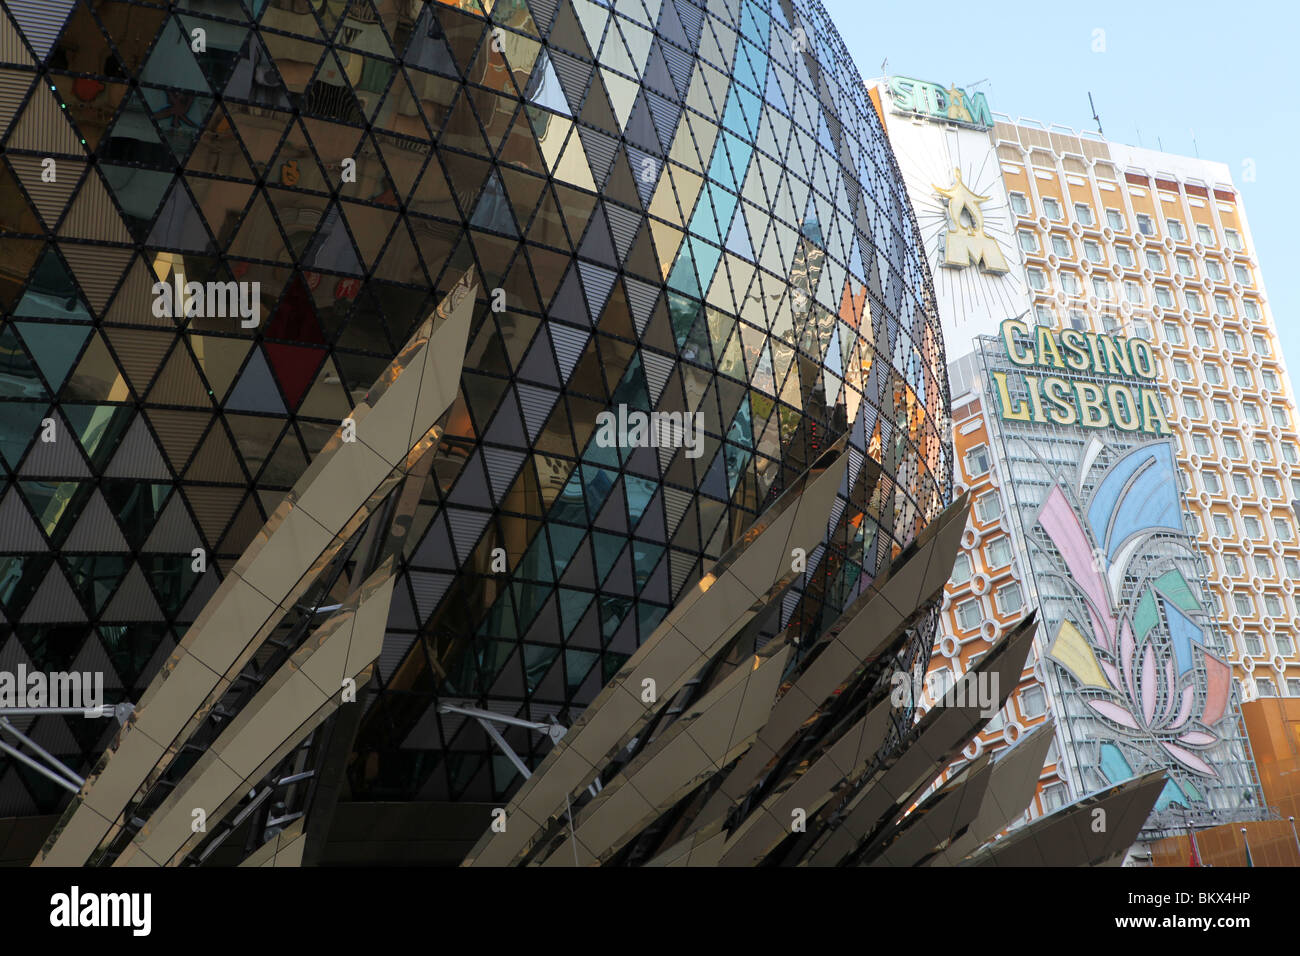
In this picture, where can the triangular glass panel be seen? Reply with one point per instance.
(256, 391)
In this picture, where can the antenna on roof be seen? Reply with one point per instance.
(1095, 117)
(1196, 149)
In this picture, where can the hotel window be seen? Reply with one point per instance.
(1232, 447)
(1272, 490)
(1261, 345)
(1241, 485)
(1092, 249)
(1222, 525)
(1265, 687)
(1284, 645)
(1182, 370)
(1242, 376)
(1052, 208)
(988, 507)
(1262, 450)
(1061, 246)
(1253, 528)
(1280, 417)
(1101, 288)
(1203, 337)
(1145, 225)
(1211, 482)
(969, 615)
(1115, 219)
(1078, 321)
(1295, 488)
(1270, 383)
(1222, 305)
(978, 461)
(1173, 332)
(1254, 645)
(1192, 406)
(998, 553)
(1164, 298)
(1282, 528)
(1083, 213)
(1043, 315)
(1133, 292)
(1212, 374)
(1155, 261)
(1142, 329)
(1020, 204)
(1252, 412)
(1289, 453)
(1201, 444)
(1273, 604)
(1125, 256)
(1028, 240)
(961, 570)
(1233, 239)
(1193, 300)
(1232, 340)
(1070, 283)
(1244, 605)
(1009, 599)
(1033, 703)
(1221, 411)
(1214, 269)
(1054, 797)
(1293, 687)
(1292, 567)
(1175, 229)
(1184, 265)
(938, 683)
(1232, 565)
(1036, 280)
(1252, 309)
(1205, 234)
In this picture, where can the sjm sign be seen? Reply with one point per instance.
(936, 102)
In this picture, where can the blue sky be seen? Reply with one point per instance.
(1168, 72)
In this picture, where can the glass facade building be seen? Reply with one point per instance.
(667, 206)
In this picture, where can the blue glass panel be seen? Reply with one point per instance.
(1182, 631)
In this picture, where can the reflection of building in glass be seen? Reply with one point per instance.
(684, 212)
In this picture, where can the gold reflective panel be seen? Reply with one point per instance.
(387, 434)
(294, 700)
(742, 583)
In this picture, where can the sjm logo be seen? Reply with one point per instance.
(965, 242)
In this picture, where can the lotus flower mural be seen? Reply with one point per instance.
(1139, 649)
